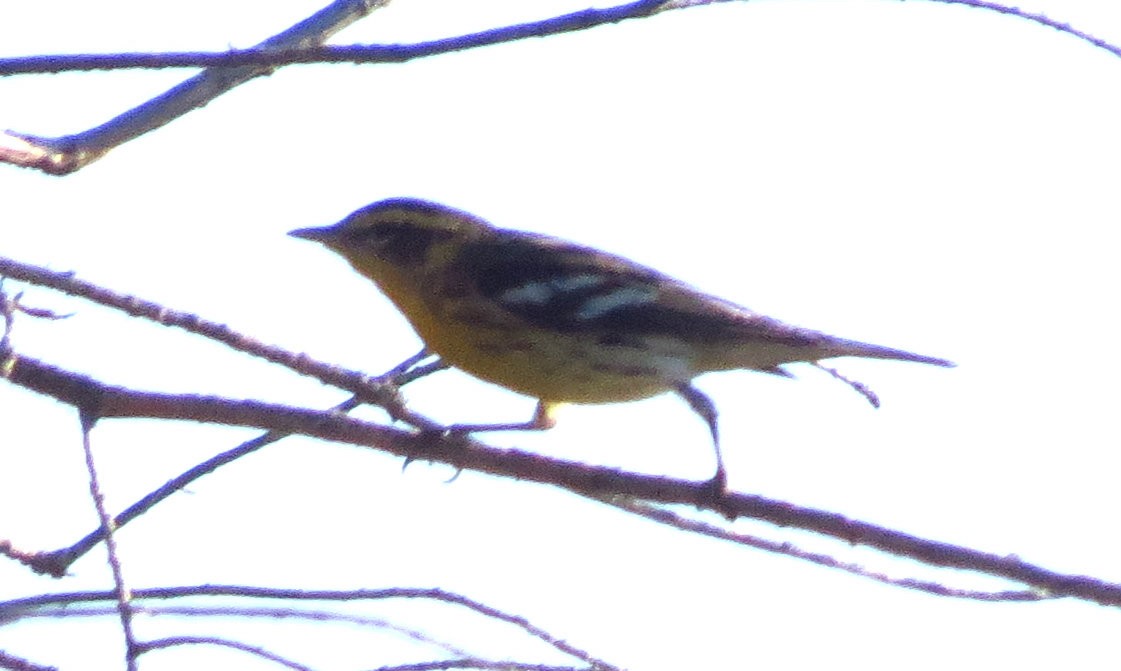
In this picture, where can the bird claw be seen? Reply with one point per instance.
(714, 494)
(442, 433)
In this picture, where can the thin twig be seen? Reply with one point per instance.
(856, 385)
(26, 607)
(669, 518)
(225, 643)
(477, 663)
(124, 597)
(70, 610)
(61, 559)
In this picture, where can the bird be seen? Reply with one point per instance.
(565, 323)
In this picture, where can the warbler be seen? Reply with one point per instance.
(561, 322)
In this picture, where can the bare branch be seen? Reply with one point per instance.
(63, 155)
(464, 453)
(64, 605)
(13, 663)
(264, 57)
(476, 663)
(1037, 17)
(123, 595)
(303, 44)
(670, 518)
(59, 561)
(377, 391)
(225, 643)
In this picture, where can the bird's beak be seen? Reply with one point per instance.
(320, 234)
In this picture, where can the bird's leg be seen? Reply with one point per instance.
(543, 418)
(703, 406)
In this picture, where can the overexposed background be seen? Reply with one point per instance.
(930, 177)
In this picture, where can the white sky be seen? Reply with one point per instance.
(930, 177)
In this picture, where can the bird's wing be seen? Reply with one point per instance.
(566, 287)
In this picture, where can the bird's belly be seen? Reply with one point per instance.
(558, 367)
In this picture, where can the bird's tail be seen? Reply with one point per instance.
(841, 347)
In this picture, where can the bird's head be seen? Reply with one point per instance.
(397, 231)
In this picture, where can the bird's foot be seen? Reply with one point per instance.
(714, 495)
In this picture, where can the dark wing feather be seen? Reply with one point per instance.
(567, 287)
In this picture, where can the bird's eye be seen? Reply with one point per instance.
(399, 243)
(382, 232)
